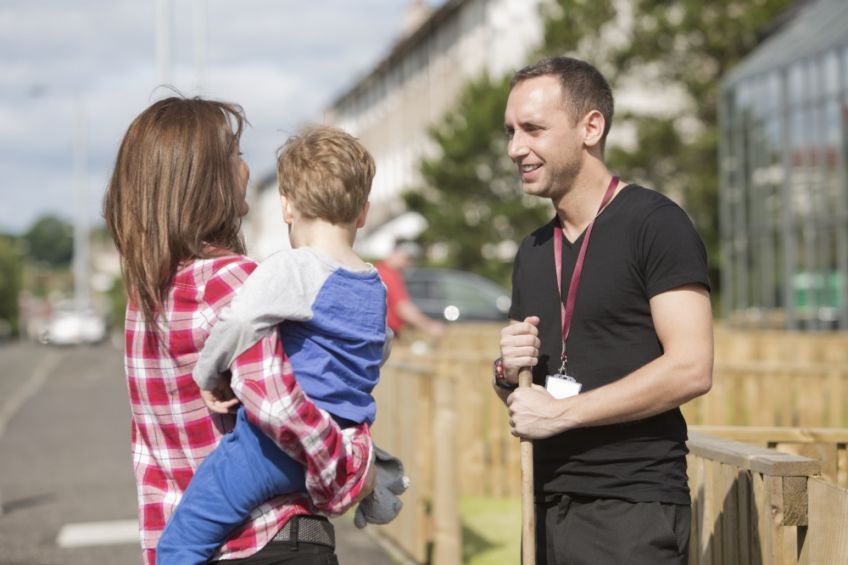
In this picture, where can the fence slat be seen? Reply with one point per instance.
(826, 541)
(447, 543)
(729, 495)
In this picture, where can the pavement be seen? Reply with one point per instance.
(67, 491)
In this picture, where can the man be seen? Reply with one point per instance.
(610, 467)
(402, 311)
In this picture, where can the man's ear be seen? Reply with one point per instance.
(593, 128)
(363, 214)
(288, 214)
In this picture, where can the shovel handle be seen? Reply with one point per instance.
(528, 511)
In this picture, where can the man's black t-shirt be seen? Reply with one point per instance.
(642, 244)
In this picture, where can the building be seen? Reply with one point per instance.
(392, 107)
(784, 191)
(437, 53)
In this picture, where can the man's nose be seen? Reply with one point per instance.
(516, 148)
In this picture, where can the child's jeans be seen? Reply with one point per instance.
(246, 469)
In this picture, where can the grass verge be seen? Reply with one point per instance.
(491, 530)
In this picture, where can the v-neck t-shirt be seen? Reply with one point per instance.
(642, 244)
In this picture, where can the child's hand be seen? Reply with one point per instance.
(221, 399)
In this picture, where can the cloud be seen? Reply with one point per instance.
(282, 60)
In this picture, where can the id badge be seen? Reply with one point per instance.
(562, 386)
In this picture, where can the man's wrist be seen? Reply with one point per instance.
(499, 376)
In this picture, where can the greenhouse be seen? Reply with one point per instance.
(783, 118)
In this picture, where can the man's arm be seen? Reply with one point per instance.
(683, 321)
(412, 315)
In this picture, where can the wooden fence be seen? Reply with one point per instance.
(437, 412)
(757, 505)
(826, 445)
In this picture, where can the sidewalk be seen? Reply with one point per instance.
(358, 547)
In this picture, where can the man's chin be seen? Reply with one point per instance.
(534, 188)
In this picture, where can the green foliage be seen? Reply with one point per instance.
(686, 45)
(117, 303)
(10, 285)
(50, 241)
(471, 198)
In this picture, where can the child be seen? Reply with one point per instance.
(334, 308)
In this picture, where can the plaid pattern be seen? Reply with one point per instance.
(172, 430)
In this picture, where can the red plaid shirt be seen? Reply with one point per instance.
(173, 431)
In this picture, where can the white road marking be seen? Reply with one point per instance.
(85, 534)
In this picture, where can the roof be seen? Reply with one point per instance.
(817, 27)
(401, 49)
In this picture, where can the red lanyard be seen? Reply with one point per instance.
(567, 311)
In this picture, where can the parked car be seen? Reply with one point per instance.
(457, 296)
(69, 326)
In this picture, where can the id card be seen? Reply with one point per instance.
(562, 386)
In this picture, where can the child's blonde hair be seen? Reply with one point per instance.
(326, 173)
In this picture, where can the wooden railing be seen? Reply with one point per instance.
(756, 505)
(437, 412)
(826, 445)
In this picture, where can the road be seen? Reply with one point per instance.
(66, 484)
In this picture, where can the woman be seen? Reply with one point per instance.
(174, 207)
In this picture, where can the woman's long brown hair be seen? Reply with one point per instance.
(173, 195)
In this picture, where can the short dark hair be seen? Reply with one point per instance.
(584, 87)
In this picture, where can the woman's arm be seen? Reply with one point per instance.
(336, 461)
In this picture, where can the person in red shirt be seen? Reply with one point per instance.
(174, 206)
(401, 310)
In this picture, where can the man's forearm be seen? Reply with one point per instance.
(657, 387)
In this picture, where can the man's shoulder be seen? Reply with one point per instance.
(387, 273)
(640, 199)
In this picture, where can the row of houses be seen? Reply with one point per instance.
(393, 105)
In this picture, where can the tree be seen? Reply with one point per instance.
(684, 45)
(50, 241)
(471, 197)
(10, 285)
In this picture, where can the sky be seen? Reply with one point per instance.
(83, 69)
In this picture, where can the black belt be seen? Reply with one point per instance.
(308, 529)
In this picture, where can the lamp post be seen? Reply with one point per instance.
(81, 228)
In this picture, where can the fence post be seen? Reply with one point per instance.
(447, 535)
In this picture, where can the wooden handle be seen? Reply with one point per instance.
(528, 510)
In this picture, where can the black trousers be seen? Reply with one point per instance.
(289, 553)
(572, 530)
